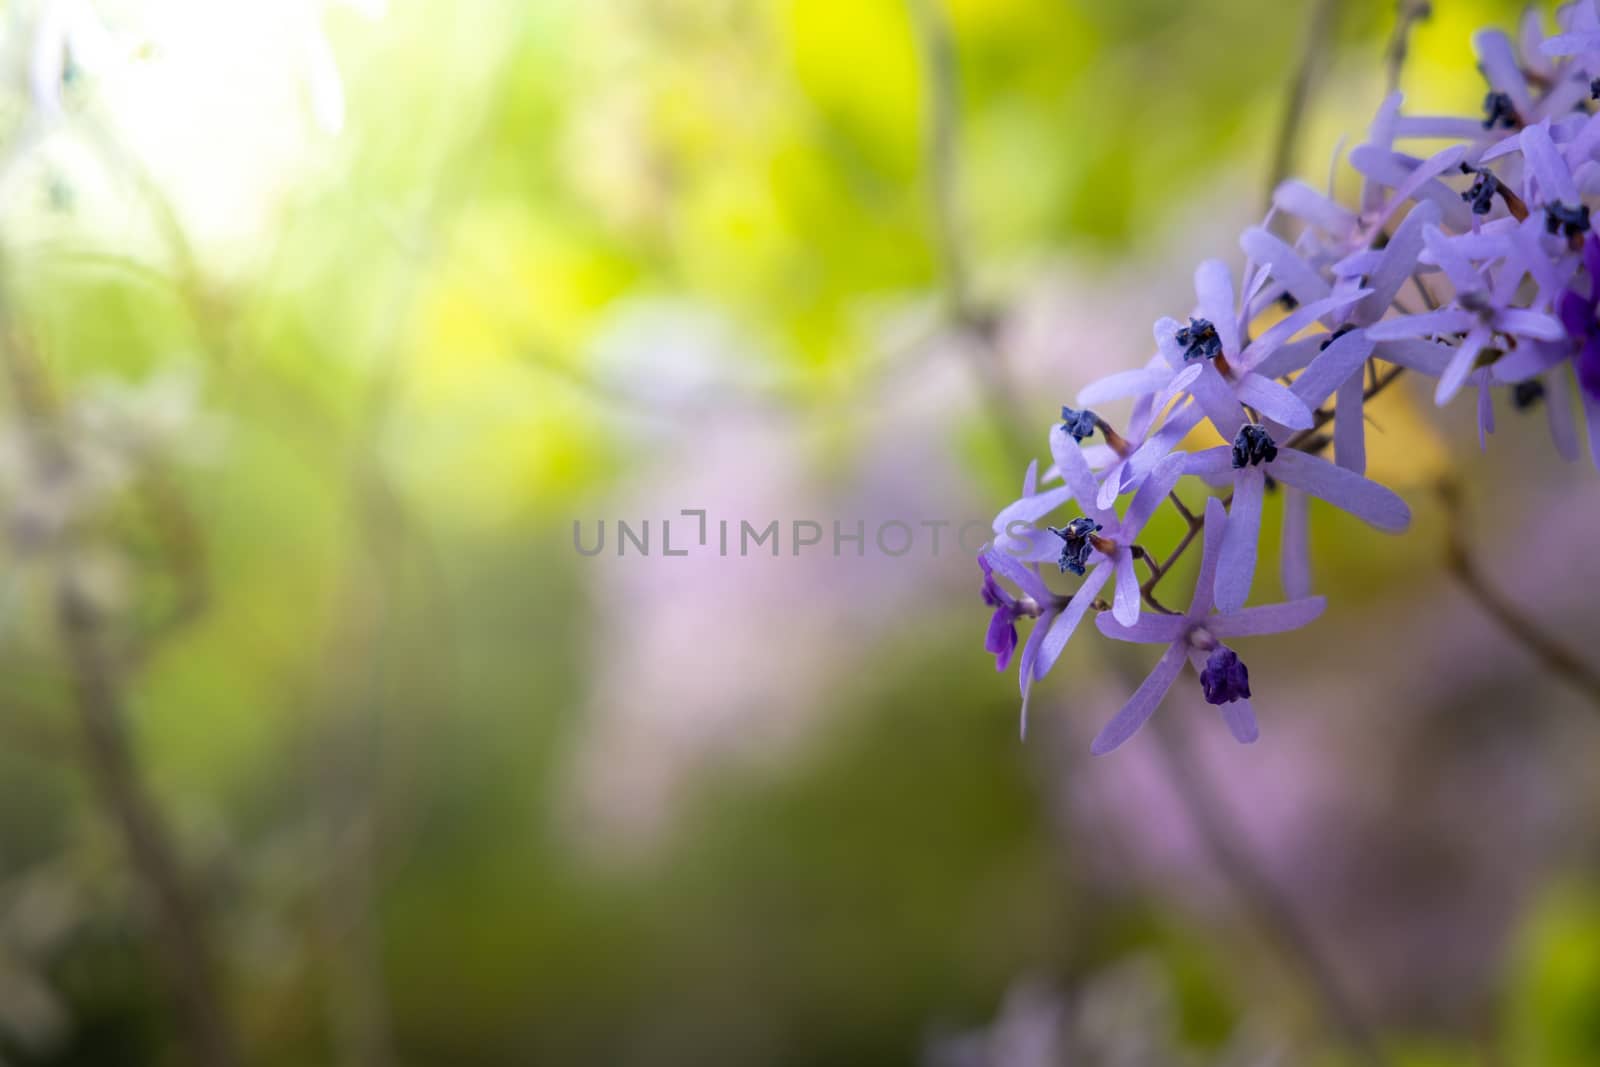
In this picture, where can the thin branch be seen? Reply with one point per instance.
(1561, 660)
(1297, 96)
(1407, 14)
(182, 922)
(1271, 910)
(941, 161)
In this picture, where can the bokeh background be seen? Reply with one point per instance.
(324, 324)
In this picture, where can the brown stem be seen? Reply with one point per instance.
(1561, 660)
(1298, 94)
(182, 933)
(1408, 13)
(941, 159)
(181, 923)
(1309, 441)
(1270, 909)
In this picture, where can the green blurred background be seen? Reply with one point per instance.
(324, 325)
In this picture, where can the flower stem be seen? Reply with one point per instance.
(182, 928)
(1560, 659)
(1265, 903)
(181, 923)
(1298, 94)
(941, 163)
(1407, 14)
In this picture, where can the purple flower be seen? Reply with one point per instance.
(1002, 636)
(1248, 461)
(1107, 550)
(1225, 678)
(1036, 601)
(1336, 365)
(1197, 636)
(1510, 103)
(1016, 527)
(1125, 463)
(1476, 314)
(1223, 384)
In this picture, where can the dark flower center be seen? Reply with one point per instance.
(1526, 394)
(1334, 336)
(1079, 424)
(1199, 340)
(1225, 678)
(1481, 195)
(1569, 221)
(1077, 543)
(1253, 445)
(1499, 111)
(1287, 299)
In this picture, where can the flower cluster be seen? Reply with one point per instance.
(1473, 266)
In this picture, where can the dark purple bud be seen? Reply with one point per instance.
(1001, 640)
(1253, 445)
(1077, 544)
(1225, 678)
(1587, 365)
(1499, 111)
(1200, 340)
(1569, 221)
(1079, 424)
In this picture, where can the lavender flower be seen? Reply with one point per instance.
(1111, 551)
(1250, 460)
(1478, 316)
(1197, 637)
(1036, 601)
(1002, 637)
(1476, 266)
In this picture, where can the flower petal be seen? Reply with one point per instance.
(1558, 408)
(1030, 509)
(1296, 551)
(1297, 276)
(1241, 720)
(1555, 181)
(1274, 401)
(1268, 618)
(1368, 501)
(1460, 365)
(1123, 384)
(1350, 426)
(1125, 604)
(1067, 622)
(1336, 364)
(1152, 493)
(1019, 574)
(1216, 398)
(1429, 323)
(1213, 290)
(1137, 711)
(1151, 629)
(1236, 563)
(1076, 473)
(1210, 463)
(1210, 549)
(1029, 662)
